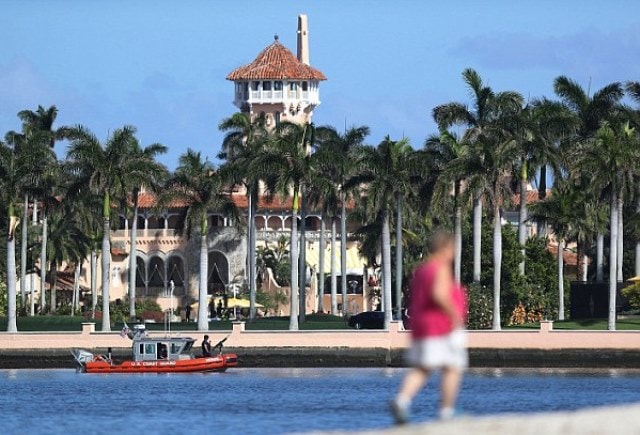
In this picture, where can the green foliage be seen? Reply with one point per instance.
(537, 291)
(271, 301)
(480, 313)
(119, 309)
(632, 293)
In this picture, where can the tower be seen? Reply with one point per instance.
(277, 84)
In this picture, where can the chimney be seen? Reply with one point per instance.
(303, 39)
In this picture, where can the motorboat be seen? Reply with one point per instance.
(171, 354)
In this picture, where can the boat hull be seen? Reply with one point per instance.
(218, 363)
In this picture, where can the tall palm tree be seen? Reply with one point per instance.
(201, 188)
(149, 174)
(558, 211)
(338, 155)
(383, 173)
(542, 125)
(9, 194)
(286, 168)
(611, 159)
(633, 90)
(107, 169)
(486, 108)
(440, 151)
(244, 138)
(591, 111)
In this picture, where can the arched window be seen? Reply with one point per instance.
(156, 272)
(277, 118)
(175, 270)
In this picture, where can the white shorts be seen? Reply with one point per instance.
(437, 352)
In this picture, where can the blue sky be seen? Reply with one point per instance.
(161, 65)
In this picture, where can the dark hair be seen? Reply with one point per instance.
(439, 239)
(206, 337)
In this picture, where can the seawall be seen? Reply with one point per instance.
(347, 348)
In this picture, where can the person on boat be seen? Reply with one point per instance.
(438, 307)
(206, 346)
(109, 355)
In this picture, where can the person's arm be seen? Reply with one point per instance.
(442, 287)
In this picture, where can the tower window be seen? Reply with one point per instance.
(255, 86)
(266, 86)
(293, 86)
(305, 86)
(277, 86)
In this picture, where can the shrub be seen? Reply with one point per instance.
(632, 293)
(480, 307)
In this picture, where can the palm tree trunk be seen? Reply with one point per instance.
(43, 260)
(477, 237)
(522, 216)
(600, 257)
(497, 266)
(253, 206)
(321, 249)
(334, 268)
(76, 289)
(585, 267)
(94, 281)
(457, 233)
(203, 324)
(560, 259)
(133, 263)
(386, 269)
(293, 316)
(302, 261)
(398, 253)
(23, 253)
(106, 272)
(32, 296)
(542, 194)
(613, 261)
(343, 253)
(620, 244)
(53, 288)
(12, 325)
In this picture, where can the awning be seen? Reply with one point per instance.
(355, 264)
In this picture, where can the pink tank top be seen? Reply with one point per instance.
(426, 317)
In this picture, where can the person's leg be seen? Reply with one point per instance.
(449, 388)
(411, 385)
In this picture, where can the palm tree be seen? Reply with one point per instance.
(486, 108)
(439, 153)
(286, 168)
(559, 212)
(150, 174)
(243, 140)
(611, 159)
(338, 156)
(201, 188)
(9, 194)
(542, 124)
(633, 90)
(590, 112)
(66, 243)
(384, 174)
(107, 170)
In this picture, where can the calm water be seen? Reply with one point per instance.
(275, 401)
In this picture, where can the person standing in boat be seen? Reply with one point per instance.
(438, 307)
(206, 346)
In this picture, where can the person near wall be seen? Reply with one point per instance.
(438, 307)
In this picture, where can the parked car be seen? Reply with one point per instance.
(367, 320)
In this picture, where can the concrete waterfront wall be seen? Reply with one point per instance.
(394, 339)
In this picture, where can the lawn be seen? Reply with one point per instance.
(68, 323)
(630, 324)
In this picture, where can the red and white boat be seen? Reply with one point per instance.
(157, 355)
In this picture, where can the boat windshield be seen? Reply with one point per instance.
(187, 348)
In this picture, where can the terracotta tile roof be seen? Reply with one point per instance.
(532, 196)
(570, 258)
(147, 200)
(276, 62)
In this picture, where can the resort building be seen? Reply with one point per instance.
(281, 86)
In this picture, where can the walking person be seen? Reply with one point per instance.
(438, 307)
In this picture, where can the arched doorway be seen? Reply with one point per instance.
(176, 273)
(218, 272)
(156, 276)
